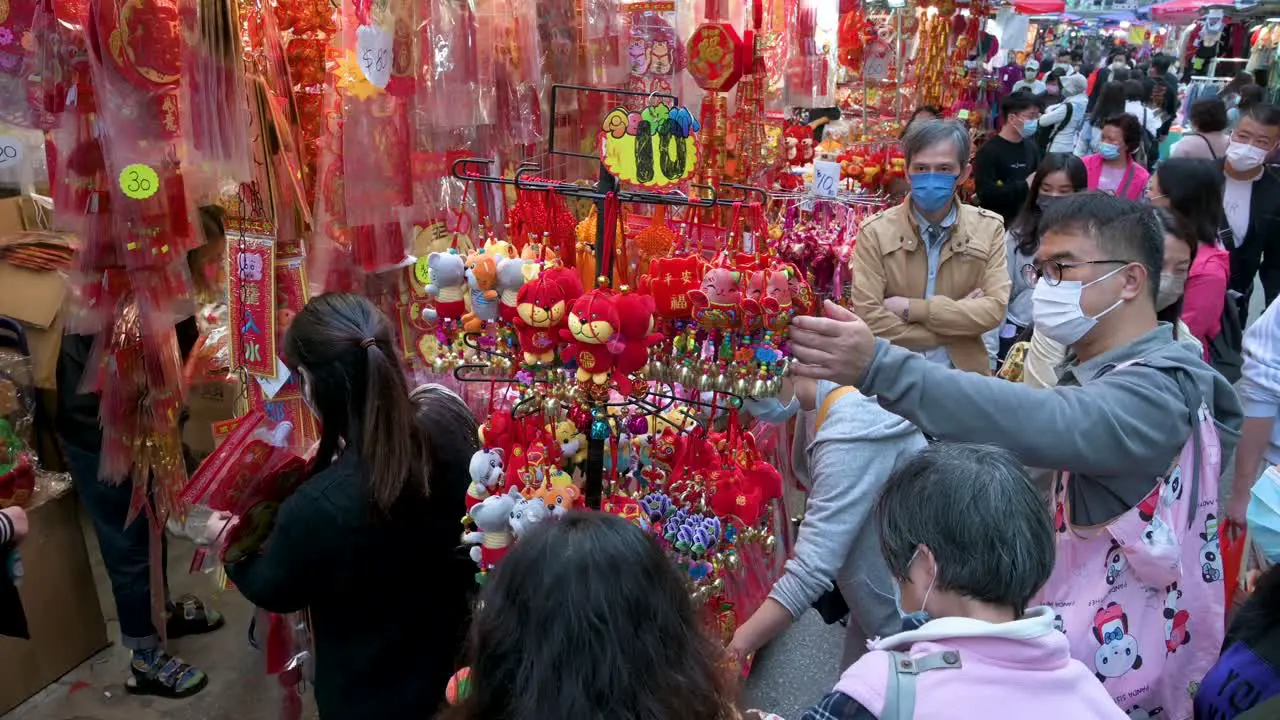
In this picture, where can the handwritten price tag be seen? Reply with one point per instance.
(373, 53)
(826, 178)
(139, 181)
(875, 66)
(10, 152)
(421, 271)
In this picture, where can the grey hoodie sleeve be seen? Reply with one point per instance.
(1122, 423)
(849, 461)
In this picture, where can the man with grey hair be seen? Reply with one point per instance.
(1135, 429)
(930, 274)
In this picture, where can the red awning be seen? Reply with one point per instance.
(1180, 9)
(1039, 7)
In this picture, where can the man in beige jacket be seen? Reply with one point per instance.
(931, 274)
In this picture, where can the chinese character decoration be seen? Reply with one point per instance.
(252, 294)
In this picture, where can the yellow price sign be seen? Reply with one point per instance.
(655, 148)
(421, 271)
(139, 181)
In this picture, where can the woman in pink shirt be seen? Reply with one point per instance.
(1113, 169)
(1196, 197)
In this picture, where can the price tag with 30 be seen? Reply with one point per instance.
(139, 181)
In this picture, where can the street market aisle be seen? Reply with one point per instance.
(788, 677)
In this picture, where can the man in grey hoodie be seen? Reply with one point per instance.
(1126, 404)
(843, 466)
(1116, 431)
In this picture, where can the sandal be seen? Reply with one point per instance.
(164, 676)
(189, 616)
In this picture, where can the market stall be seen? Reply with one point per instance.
(682, 179)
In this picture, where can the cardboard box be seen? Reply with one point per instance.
(208, 403)
(61, 602)
(33, 297)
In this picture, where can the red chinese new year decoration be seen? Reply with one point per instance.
(716, 51)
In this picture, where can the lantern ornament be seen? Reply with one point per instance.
(716, 51)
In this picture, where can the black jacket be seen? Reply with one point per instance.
(389, 599)
(1258, 253)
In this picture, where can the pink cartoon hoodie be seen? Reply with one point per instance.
(1020, 669)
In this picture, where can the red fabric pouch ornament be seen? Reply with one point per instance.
(747, 482)
(669, 281)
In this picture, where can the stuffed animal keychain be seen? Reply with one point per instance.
(541, 313)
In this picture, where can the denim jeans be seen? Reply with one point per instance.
(125, 549)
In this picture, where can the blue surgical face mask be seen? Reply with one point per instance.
(1030, 127)
(932, 191)
(1109, 151)
(771, 410)
(913, 620)
(1264, 514)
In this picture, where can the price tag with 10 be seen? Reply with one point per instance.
(826, 178)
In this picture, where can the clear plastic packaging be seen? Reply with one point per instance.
(216, 121)
(451, 68)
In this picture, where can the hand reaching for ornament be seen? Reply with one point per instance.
(838, 347)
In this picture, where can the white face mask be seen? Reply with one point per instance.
(1056, 310)
(1171, 288)
(1245, 158)
(304, 384)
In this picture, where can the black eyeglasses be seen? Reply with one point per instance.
(1051, 270)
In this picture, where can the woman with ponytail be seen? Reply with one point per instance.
(368, 542)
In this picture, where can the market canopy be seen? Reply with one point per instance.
(1039, 7)
(1183, 9)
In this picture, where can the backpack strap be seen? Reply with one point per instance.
(829, 402)
(1128, 179)
(1212, 152)
(1065, 122)
(900, 695)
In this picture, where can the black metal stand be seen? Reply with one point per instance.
(467, 169)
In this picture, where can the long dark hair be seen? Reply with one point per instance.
(359, 391)
(1177, 226)
(1250, 95)
(1194, 190)
(1239, 80)
(1110, 103)
(1026, 226)
(449, 425)
(563, 633)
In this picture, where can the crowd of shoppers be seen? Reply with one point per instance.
(1053, 543)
